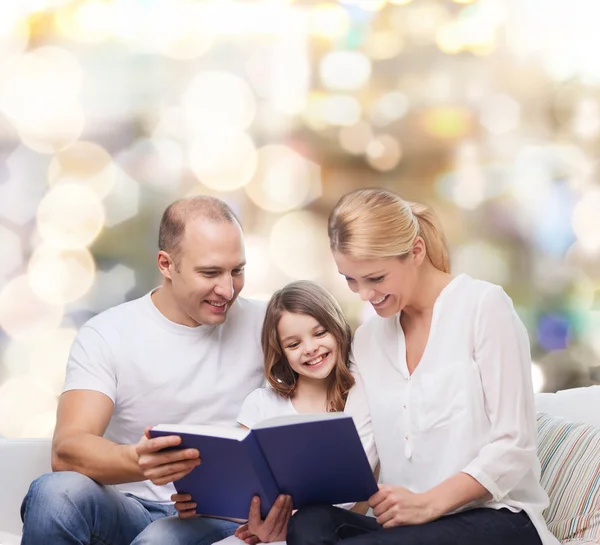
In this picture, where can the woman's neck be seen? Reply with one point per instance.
(431, 283)
(310, 395)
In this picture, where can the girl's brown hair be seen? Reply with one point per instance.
(376, 223)
(304, 297)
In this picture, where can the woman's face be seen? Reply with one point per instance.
(387, 283)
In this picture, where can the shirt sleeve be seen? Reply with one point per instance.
(91, 364)
(502, 354)
(357, 406)
(252, 412)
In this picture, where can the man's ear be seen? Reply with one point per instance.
(165, 264)
(419, 251)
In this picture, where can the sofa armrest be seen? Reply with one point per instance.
(22, 461)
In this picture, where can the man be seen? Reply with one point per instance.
(188, 352)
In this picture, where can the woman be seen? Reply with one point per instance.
(444, 390)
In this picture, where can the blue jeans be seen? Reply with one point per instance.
(68, 508)
(326, 525)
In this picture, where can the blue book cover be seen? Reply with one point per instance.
(316, 459)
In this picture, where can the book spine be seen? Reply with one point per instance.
(264, 473)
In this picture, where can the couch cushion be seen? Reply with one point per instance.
(576, 404)
(569, 454)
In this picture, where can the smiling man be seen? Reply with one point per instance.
(187, 352)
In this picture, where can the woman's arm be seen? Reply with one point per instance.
(502, 353)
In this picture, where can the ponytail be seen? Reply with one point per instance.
(431, 233)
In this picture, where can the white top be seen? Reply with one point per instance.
(262, 404)
(468, 406)
(156, 371)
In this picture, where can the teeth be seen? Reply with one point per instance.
(316, 360)
(214, 304)
(379, 301)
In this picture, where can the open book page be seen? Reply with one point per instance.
(299, 419)
(211, 431)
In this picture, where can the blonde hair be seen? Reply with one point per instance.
(308, 298)
(376, 223)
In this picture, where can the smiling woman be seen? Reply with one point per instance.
(444, 366)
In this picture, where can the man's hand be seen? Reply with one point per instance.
(274, 527)
(398, 506)
(164, 467)
(184, 505)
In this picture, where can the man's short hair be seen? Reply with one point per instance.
(177, 214)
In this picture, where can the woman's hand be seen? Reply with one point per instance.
(186, 508)
(398, 506)
(274, 527)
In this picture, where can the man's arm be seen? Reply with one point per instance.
(78, 445)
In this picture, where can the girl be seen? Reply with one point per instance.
(306, 343)
(445, 384)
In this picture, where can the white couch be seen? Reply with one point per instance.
(22, 460)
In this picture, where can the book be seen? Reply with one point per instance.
(315, 458)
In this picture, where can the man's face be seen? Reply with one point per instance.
(209, 271)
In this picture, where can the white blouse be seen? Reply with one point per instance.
(468, 406)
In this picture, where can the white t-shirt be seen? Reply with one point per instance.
(468, 406)
(262, 404)
(156, 371)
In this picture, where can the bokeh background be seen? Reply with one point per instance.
(488, 110)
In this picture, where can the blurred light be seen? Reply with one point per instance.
(86, 164)
(463, 1)
(340, 110)
(12, 252)
(14, 31)
(500, 114)
(110, 288)
(299, 245)
(449, 38)
(224, 162)
(218, 101)
(23, 314)
(399, 2)
(384, 152)
(368, 5)
(586, 221)
(586, 121)
(537, 377)
(41, 425)
(45, 358)
(123, 201)
(26, 185)
(283, 179)
(389, 108)
(383, 44)
(50, 120)
(329, 21)
(89, 22)
(553, 332)
(157, 162)
(259, 270)
(345, 70)
(70, 216)
(22, 400)
(178, 29)
(61, 276)
(447, 122)
(356, 138)
(482, 260)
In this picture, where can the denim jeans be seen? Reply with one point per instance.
(326, 525)
(68, 508)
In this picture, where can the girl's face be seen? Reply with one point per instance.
(309, 348)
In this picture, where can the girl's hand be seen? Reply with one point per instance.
(398, 506)
(186, 508)
(246, 535)
(274, 527)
